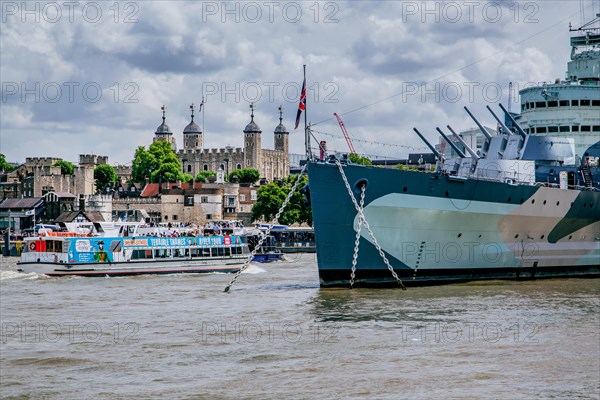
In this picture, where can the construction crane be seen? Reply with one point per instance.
(345, 132)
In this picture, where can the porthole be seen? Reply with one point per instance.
(459, 235)
(516, 236)
(533, 201)
(404, 189)
(543, 236)
(509, 199)
(558, 202)
(447, 194)
(544, 202)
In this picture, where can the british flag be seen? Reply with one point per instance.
(302, 104)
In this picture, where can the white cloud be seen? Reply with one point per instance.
(177, 48)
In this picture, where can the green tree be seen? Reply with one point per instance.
(187, 178)
(356, 159)
(244, 175)
(167, 172)
(202, 175)
(144, 163)
(4, 165)
(270, 198)
(407, 168)
(66, 168)
(159, 163)
(105, 176)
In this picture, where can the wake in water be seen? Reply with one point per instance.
(8, 270)
(6, 275)
(253, 269)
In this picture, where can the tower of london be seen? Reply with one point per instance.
(271, 164)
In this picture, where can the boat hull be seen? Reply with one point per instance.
(133, 267)
(434, 229)
(267, 257)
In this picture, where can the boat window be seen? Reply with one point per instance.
(584, 103)
(596, 128)
(206, 252)
(161, 253)
(227, 251)
(596, 103)
(575, 128)
(564, 129)
(541, 129)
(522, 107)
(540, 104)
(220, 251)
(552, 129)
(138, 254)
(553, 103)
(564, 103)
(575, 103)
(585, 128)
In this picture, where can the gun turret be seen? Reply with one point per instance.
(437, 154)
(504, 127)
(519, 129)
(456, 149)
(470, 150)
(481, 127)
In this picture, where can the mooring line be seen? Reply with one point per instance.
(262, 237)
(361, 216)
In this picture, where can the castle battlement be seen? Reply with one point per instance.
(92, 159)
(40, 161)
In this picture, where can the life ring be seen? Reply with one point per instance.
(32, 246)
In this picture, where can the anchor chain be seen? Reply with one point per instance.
(357, 240)
(262, 237)
(367, 227)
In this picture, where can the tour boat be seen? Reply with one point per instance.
(60, 254)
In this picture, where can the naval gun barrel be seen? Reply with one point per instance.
(481, 127)
(470, 150)
(521, 131)
(504, 127)
(456, 149)
(437, 154)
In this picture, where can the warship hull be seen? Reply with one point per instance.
(436, 229)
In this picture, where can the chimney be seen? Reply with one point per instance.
(81, 203)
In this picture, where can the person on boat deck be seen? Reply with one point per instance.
(101, 255)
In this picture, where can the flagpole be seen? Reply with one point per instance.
(203, 107)
(306, 133)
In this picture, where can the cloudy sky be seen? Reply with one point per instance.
(91, 77)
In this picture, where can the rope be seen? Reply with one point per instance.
(262, 237)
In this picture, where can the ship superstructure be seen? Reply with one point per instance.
(570, 107)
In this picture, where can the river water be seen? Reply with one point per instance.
(278, 335)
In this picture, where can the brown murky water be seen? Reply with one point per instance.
(278, 335)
